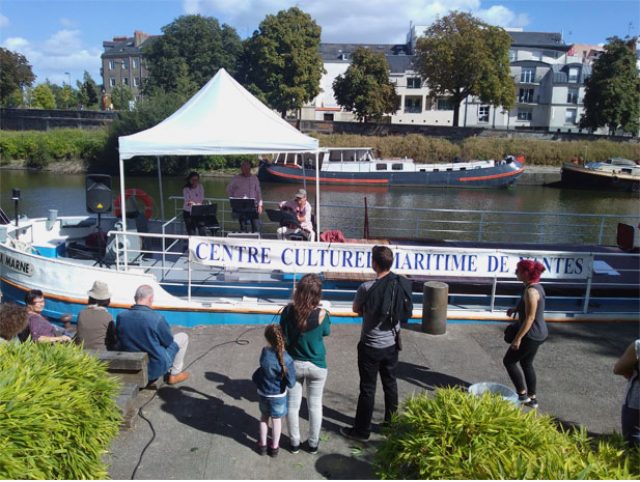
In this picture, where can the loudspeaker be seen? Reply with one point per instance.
(98, 190)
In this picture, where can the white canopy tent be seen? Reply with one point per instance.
(221, 118)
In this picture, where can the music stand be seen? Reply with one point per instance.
(205, 219)
(244, 210)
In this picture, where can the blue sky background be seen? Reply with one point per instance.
(59, 36)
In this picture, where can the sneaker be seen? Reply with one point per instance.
(524, 399)
(179, 378)
(294, 449)
(350, 432)
(311, 449)
(533, 402)
(273, 451)
(261, 449)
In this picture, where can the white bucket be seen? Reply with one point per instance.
(497, 388)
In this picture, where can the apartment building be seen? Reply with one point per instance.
(123, 62)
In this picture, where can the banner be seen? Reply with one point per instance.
(304, 257)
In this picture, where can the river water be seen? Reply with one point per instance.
(42, 191)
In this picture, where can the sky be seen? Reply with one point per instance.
(63, 38)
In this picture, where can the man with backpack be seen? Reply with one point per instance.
(383, 304)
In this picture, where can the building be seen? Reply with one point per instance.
(549, 78)
(123, 62)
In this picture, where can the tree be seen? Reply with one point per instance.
(612, 92)
(43, 97)
(15, 74)
(120, 97)
(282, 62)
(365, 88)
(461, 56)
(88, 91)
(192, 49)
(65, 96)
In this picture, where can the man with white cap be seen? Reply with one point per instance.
(301, 209)
(96, 329)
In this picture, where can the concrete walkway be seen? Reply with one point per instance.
(206, 428)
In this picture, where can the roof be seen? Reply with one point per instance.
(561, 73)
(548, 40)
(121, 46)
(341, 52)
(221, 118)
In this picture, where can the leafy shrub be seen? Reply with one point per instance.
(455, 435)
(57, 412)
(40, 156)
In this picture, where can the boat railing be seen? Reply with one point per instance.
(531, 227)
(168, 273)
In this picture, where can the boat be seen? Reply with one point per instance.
(218, 279)
(357, 166)
(615, 173)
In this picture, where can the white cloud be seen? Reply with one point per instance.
(4, 21)
(67, 22)
(372, 21)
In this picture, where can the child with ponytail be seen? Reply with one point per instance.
(275, 374)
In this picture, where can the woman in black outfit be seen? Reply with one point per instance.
(532, 331)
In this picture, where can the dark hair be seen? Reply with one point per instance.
(305, 298)
(32, 295)
(13, 319)
(188, 178)
(274, 336)
(382, 256)
(93, 301)
(531, 268)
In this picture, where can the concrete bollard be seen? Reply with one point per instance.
(434, 307)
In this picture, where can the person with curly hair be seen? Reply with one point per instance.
(13, 320)
(532, 331)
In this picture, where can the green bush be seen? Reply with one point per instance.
(57, 412)
(455, 435)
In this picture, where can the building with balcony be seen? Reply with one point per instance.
(123, 62)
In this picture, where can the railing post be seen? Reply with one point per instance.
(189, 278)
(117, 239)
(601, 232)
(587, 294)
(481, 227)
(493, 294)
(164, 249)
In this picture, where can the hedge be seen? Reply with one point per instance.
(455, 435)
(58, 414)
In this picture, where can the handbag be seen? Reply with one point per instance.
(511, 331)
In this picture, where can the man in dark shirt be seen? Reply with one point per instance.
(142, 329)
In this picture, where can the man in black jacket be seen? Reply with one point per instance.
(383, 303)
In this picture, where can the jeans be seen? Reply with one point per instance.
(274, 407)
(631, 425)
(525, 355)
(315, 378)
(372, 361)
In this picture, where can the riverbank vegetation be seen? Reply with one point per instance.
(96, 150)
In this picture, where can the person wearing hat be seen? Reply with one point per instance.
(301, 209)
(96, 329)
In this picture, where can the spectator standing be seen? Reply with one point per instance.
(140, 328)
(304, 325)
(532, 331)
(96, 329)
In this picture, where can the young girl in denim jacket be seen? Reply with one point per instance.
(275, 374)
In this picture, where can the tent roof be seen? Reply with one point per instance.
(222, 118)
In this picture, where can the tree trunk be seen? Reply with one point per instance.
(456, 111)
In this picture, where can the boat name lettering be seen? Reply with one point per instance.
(10, 262)
(302, 257)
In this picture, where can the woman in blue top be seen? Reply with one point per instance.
(304, 325)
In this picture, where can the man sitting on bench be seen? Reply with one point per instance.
(301, 209)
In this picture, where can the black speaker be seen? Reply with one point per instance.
(98, 190)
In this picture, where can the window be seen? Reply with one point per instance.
(444, 104)
(381, 167)
(570, 116)
(112, 82)
(483, 113)
(524, 115)
(573, 74)
(112, 65)
(327, 117)
(414, 83)
(134, 63)
(412, 105)
(536, 55)
(513, 55)
(528, 75)
(572, 96)
(525, 96)
(125, 64)
(397, 166)
(125, 81)
(136, 81)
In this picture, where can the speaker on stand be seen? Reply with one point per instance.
(99, 200)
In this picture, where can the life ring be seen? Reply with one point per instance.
(138, 194)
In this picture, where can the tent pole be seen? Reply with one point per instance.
(123, 209)
(318, 194)
(160, 188)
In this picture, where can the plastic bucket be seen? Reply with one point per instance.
(497, 388)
